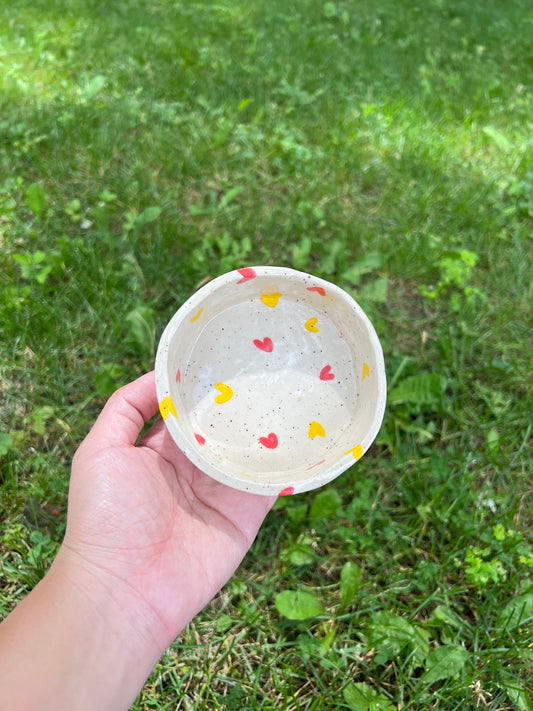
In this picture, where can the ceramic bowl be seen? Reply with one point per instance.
(271, 381)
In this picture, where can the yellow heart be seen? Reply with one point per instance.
(197, 315)
(271, 299)
(356, 451)
(315, 428)
(366, 371)
(166, 406)
(226, 393)
(311, 325)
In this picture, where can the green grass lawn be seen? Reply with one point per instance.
(147, 146)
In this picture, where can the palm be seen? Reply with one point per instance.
(146, 515)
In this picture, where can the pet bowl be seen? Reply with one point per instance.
(271, 381)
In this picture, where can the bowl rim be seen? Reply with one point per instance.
(163, 384)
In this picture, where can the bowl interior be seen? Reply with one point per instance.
(271, 381)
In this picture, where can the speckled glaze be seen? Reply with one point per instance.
(271, 380)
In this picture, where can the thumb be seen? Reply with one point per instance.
(125, 413)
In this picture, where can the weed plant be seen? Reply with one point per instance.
(148, 146)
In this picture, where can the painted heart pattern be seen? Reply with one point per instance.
(270, 442)
(288, 491)
(319, 290)
(166, 408)
(271, 300)
(356, 452)
(246, 273)
(225, 393)
(197, 315)
(316, 430)
(311, 325)
(326, 374)
(265, 345)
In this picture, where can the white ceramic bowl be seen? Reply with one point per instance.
(271, 380)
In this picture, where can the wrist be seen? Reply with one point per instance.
(116, 634)
(110, 602)
(77, 642)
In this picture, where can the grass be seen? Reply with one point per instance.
(385, 147)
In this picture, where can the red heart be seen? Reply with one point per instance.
(326, 374)
(271, 442)
(247, 273)
(199, 438)
(264, 345)
(320, 290)
(287, 492)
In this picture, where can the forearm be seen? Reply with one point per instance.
(150, 539)
(71, 646)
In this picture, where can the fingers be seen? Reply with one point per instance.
(248, 509)
(125, 413)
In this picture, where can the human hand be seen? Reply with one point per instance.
(146, 523)
(150, 540)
